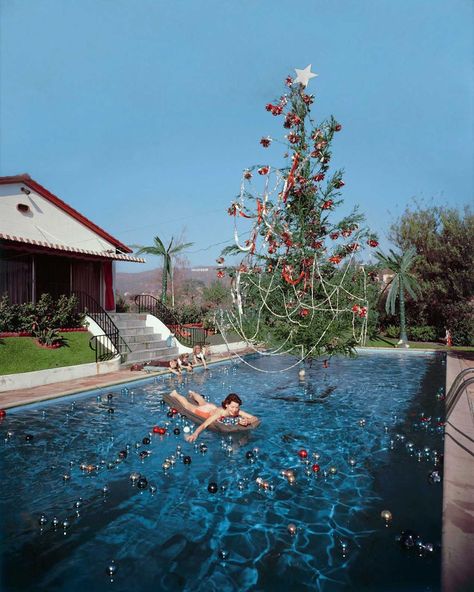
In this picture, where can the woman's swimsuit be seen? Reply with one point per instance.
(205, 411)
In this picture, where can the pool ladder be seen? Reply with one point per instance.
(459, 385)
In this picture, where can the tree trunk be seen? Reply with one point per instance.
(164, 285)
(403, 332)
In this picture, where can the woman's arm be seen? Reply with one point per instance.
(247, 417)
(214, 417)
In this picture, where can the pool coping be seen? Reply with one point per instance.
(458, 485)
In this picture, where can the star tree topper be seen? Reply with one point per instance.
(304, 76)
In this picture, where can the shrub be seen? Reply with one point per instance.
(392, 331)
(422, 333)
(121, 304)
(189, 313)
(460, 321)
(49, 337)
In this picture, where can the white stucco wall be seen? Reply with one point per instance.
(162, 329)
(44, 221)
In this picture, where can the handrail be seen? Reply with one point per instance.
(454, 395)
(88, 305)
(456, 381)
(189, 336)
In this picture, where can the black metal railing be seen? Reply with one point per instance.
(108, 344)
(189, 336)
(460, 383)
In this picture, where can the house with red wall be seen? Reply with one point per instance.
(46, 246)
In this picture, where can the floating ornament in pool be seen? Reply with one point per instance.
(408, 539)
(291, 479)
(187, 460)
(316, 468)
(166, 465)
(134, 477)
(29, 437)
(176, 431)
(142, 483)
(344, 546)
(42, 520)
(105, 489)
(55, 522)
(434, 477)
(291, 528)
(212, 487)
(110, 410)
(123, 454)
(111, 569)
(303, 453)
(110, 396)
(146, 440)
(153, 489)
(223, 555)
(66, 477)
(362, 422)
(332, 470)
(3, 413)
(144, 454)
(186, 429)
(352, 462)
(203, 448)
(249, 455)
(386, 515)
(169, 414)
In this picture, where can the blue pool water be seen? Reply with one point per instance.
(173, 539)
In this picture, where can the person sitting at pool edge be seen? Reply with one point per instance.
(230, 408)
(199, 356)
(174, 367)
(183, 362)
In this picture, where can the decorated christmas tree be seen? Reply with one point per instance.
(298, 287)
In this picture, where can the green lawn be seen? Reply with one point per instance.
(389, 342)
(22, 354)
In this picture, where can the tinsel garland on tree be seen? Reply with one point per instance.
(298, 288)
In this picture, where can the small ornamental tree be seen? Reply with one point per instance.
(298, 287)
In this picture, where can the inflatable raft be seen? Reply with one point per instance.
(217, 426)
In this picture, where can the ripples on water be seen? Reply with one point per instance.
(171, 540)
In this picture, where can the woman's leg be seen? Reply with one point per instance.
(200, 400)
(183, 401)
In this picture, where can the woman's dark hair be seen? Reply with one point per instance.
(231, 398)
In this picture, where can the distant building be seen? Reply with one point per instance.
(46, 246)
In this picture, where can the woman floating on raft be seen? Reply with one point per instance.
(229, 414)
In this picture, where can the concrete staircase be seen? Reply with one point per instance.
(145, 345)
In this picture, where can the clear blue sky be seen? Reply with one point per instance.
(142, 114)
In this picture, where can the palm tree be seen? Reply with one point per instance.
(158, 248)
(402, 281)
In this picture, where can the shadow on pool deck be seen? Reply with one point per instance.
(458, 491)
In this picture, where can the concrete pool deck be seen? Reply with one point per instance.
(458, 485)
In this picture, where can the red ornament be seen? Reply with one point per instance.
(337, 127)
(263, 170)
(327, 204)
(315, 468)
(308, 99)
(339, 184)
(304, 312)
(372, 243)
(289, 81)
(303, 453)
(325, 363)
(220, 273)
(293, 138)
(156, 429)
(265, 142)
(247, 175)
(3, 413)
(319, 177)
(355, 308)
(346, 232)
(173, 411)
(334, 235)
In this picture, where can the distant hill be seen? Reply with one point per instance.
(146, 282)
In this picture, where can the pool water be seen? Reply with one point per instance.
(378, 412)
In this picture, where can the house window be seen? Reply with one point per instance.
(16, 276)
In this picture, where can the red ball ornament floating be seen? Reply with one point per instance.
(173, 411)
(303, 453)
(3, 413)
(316, 468)
(156, 429)
(325, 363)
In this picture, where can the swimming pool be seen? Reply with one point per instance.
(374, 419)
